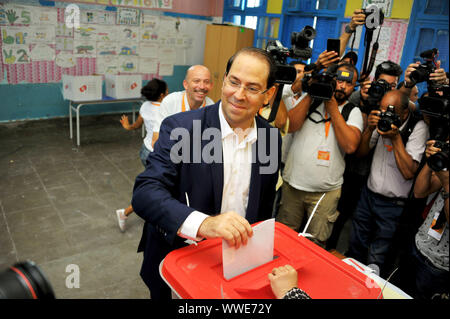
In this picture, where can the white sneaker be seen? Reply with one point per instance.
(121, 218)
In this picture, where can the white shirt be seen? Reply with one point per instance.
(172, 104)
(290, 102)
(148, 112)
(385, 178)
(237, 161)
(302, 170)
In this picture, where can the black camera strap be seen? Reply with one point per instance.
(276, 104)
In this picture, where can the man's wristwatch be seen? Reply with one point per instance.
(444, 194)
(348, 29)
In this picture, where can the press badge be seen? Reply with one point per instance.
(436, 233)
(323, 156)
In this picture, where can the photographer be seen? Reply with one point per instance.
(430, 253)
(357, 166)
(315, 161)
(395, 162)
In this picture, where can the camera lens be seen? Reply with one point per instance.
(25, 280)
(384, 124)
(437, 162)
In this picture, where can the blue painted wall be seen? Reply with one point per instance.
(42, 101)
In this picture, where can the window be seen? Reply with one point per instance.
(251, 22)
(253, 3)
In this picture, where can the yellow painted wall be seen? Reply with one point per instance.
(401, 9)
(274, 6)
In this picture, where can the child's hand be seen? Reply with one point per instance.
(124, 121)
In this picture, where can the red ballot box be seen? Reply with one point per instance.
(195, 272)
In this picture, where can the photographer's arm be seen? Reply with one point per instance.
(364, 145)
(297, 115)
(406, 89)
(427, 182)
(347, 136)
(405, 163)
(358, 18)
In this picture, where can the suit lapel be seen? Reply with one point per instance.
(212, 120)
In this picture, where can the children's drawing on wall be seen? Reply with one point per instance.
(16, 54)
(44, 16)
(85, 32)
(42, 34)
(14, 35)
(128, 16)
(64, 44)
(128, 64)
(105, 33)
(85, 48)
(128, 34)
(128, 48)
(17, 14)
(107, 48)
(65, 60)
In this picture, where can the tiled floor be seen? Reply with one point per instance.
(58, 202)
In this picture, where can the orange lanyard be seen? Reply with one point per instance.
(183, 106)
(327, 125)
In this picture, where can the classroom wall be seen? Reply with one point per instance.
(33, 101)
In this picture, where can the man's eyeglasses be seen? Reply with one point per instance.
(249, 90)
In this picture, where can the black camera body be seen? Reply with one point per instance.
(437, 162)
(320, 85)
(388, 118)
(423, 71)
(377, 90)
(286, 74)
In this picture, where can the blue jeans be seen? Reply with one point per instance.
(374, 225)
(143, 154)
(429, 279)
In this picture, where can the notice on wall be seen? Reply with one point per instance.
(165, 69)
(148, 65)
(65, 60)
(42, 52)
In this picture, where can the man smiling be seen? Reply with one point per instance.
(218, 199)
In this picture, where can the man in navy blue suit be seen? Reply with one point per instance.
(213, 170)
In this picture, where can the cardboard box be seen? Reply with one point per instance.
(123, 86)
(82, 88)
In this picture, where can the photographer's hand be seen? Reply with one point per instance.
(439, 75)
(411, 68)
(358, 18)
(431, 150)
(365, 89)
(326, 58)
(393, 133)
(372, 120)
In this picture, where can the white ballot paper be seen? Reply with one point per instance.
(258, 251)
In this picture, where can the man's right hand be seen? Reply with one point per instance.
(372, 120)
(365, 89)
(230, 226)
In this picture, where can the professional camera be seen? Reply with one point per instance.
(388, 118)
(25, 280)
(320, 85)
(437, 162)
(423, 71)
(286, 74)
(377, 90)
(436, 107)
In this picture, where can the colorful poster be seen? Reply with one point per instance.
(18, 14)
(85, 32)
(126, 33)
(88, 16)
(148, 35)
(105, 33)
(107, 48)
(106, 17)
(128, 64)
(15, 35)
(16, 54)
(128, 16)
(150, 22)
(42, 52)
(84, 48)
(42, 34)
(128, 48)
